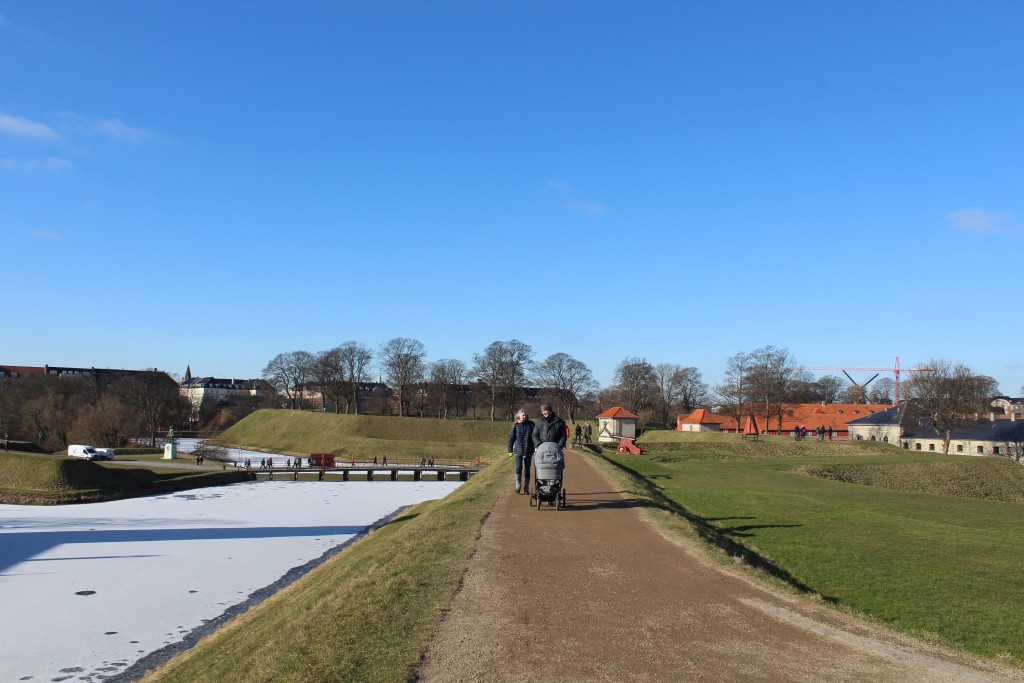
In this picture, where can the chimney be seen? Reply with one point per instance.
(992, 417)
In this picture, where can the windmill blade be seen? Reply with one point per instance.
(865, 385)
(850, 378)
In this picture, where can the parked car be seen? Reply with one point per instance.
(90, 452)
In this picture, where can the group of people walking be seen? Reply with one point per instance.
(526, 435)
(800, 433)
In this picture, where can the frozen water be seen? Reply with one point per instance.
(91, 589)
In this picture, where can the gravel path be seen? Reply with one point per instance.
(596, 593)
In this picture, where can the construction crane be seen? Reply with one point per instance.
(895, 370)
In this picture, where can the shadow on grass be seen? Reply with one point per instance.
(722, 538)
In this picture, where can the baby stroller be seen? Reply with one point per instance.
(548, 464)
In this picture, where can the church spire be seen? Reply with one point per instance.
(188, 372)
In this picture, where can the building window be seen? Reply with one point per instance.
(917, 446)
(995, 450)
(981, 450)
(959, 448)
(906, 444)
(931, 447)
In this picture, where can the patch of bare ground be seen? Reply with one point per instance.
(596, 592)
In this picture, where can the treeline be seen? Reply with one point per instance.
(56, 410)
(493, 384)
(505, 375)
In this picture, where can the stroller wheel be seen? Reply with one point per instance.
(539, 501)
(558, 503)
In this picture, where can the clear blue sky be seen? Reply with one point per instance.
(213, 183)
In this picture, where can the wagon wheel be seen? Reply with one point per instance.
(622, 450)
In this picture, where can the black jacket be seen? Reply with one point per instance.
(549, 429)
(520, 438)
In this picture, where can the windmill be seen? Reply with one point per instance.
(862, 387)
(895, 370)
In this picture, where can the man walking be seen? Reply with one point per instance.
(549, 428)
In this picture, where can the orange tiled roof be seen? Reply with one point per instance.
(619, 413)
(701, 416)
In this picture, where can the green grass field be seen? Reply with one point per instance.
(913, 546)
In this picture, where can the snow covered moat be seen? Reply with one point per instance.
(89, 590)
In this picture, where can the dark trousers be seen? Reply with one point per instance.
(523, 470)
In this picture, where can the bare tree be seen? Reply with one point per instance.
(693, 390)
(355, 359)
(513, 376)
(402, 361)
(289, 373)
(487, 370)
(637, 383)
(830, 388)
(108, 423)
(447, 377)
(155, 396)
(734, 393)
(668, 384)
(951, 395)
(882, 391)
(570, 379)
(327, 374)
(772, 375)
(502, 367)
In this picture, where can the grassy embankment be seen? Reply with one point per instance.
(928, 544)
(35, 479)
(364, 436)
(366, 614)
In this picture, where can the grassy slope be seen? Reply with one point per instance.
(367, 614)
(40, 479)
(927, 563)
(364, 436)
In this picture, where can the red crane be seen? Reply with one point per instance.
(895, 370)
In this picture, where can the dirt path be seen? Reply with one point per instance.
(597, 593)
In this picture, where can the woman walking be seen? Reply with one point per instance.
(520, 446)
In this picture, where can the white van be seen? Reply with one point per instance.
(105, 453)
(82, 451)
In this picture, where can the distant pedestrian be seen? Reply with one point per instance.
(270, 463)
(587, 431)
(384, 461)
(830, 433)
(579, 436)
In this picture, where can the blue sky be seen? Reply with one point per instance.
(213, 183)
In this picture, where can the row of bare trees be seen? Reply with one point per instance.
(496, 380)
(55, 411)
(497, 377)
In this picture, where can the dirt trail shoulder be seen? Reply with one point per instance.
(596, 593)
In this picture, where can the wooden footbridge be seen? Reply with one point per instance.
(323, 467)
